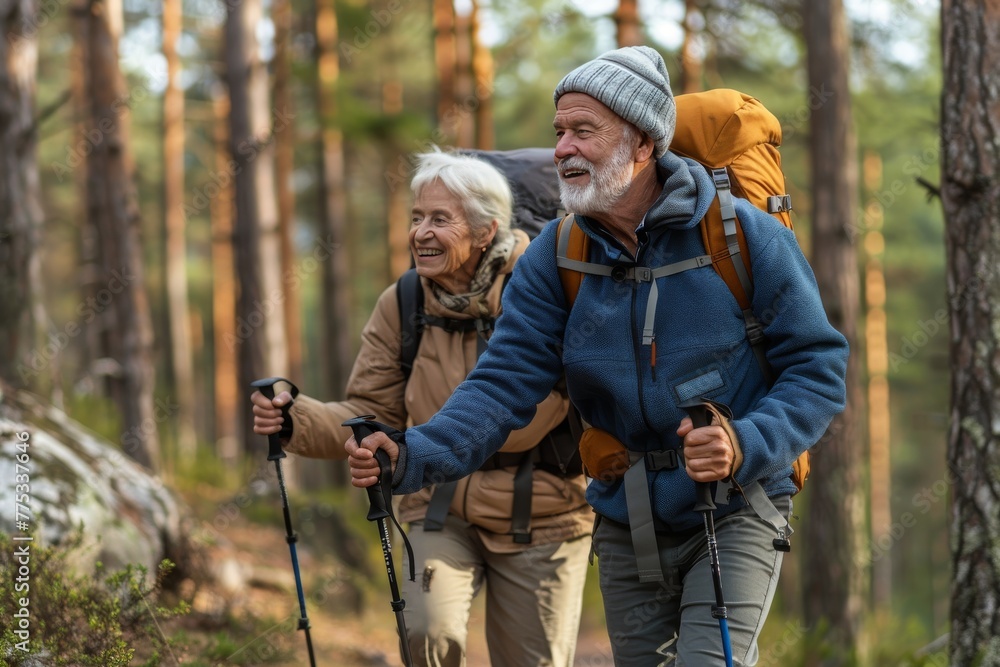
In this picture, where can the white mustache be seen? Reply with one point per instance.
(575, 162)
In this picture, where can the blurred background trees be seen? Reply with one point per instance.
(194, 194)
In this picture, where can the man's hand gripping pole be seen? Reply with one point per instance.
(700, 417)
(380, 499)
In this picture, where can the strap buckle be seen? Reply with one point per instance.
(721, 178)
(755, 332)
(484, 326)
(779, 203)
(661, 459)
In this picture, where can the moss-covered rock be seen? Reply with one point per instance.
(73, 478)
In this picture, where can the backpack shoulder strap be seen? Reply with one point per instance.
(572, 250)
(725, 242)
(410, 298)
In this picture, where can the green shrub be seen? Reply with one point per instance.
(62, 618)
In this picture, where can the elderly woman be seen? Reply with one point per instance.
(464, 249)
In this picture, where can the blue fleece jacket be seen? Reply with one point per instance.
(701, 351)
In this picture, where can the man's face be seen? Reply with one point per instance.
(595, 151)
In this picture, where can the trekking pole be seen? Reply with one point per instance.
(380, 498)
(276, 453)
(699, 418)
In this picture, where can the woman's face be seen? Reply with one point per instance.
(441, 239)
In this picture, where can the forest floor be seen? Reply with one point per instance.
(249, 614)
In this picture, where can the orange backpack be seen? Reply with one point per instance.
(736, 139)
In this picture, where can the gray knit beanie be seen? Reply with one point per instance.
(633, 82)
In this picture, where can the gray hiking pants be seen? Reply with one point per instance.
(533, 598)
(670, 623)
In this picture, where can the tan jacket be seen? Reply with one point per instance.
(377, 386)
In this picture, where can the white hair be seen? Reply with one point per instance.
(483, 191)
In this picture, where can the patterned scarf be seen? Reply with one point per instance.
(475, 302)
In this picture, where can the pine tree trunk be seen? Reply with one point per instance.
(336, 304)
(121, 299)
(628, 30)
(444, 62)
(182, 363)
(834, 584)
(20, 214)
(397, 195)
(262, 350)
(464, 120)
(970, 194)
(877, 357)
(691, 59)
(267, 122)
(224, 345)
(483, 75)
(88, 258)
(284, 168)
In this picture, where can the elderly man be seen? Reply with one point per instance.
(640, 206)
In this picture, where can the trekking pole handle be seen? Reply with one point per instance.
(362, 427)
(266, 387)
(700, 417)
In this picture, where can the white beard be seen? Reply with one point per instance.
(607, 185)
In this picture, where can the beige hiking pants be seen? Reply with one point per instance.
(533, 598)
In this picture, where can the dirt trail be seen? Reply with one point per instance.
(341, 637)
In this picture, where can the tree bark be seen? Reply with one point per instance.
(483, 76)
(284, 168)
(464, 104)
(444, 62)
(176, 280)
(121, 303)
(970, 196)
(260, 333)
(628, 28)
(226, 374)
(877, 357)
(692, 64)
(20, 213)
(336, 304)
(835, 581)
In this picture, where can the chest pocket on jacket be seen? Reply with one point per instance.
(705, 383)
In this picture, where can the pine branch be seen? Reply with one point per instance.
(932, 190)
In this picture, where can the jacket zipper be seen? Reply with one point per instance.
(636, 342)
